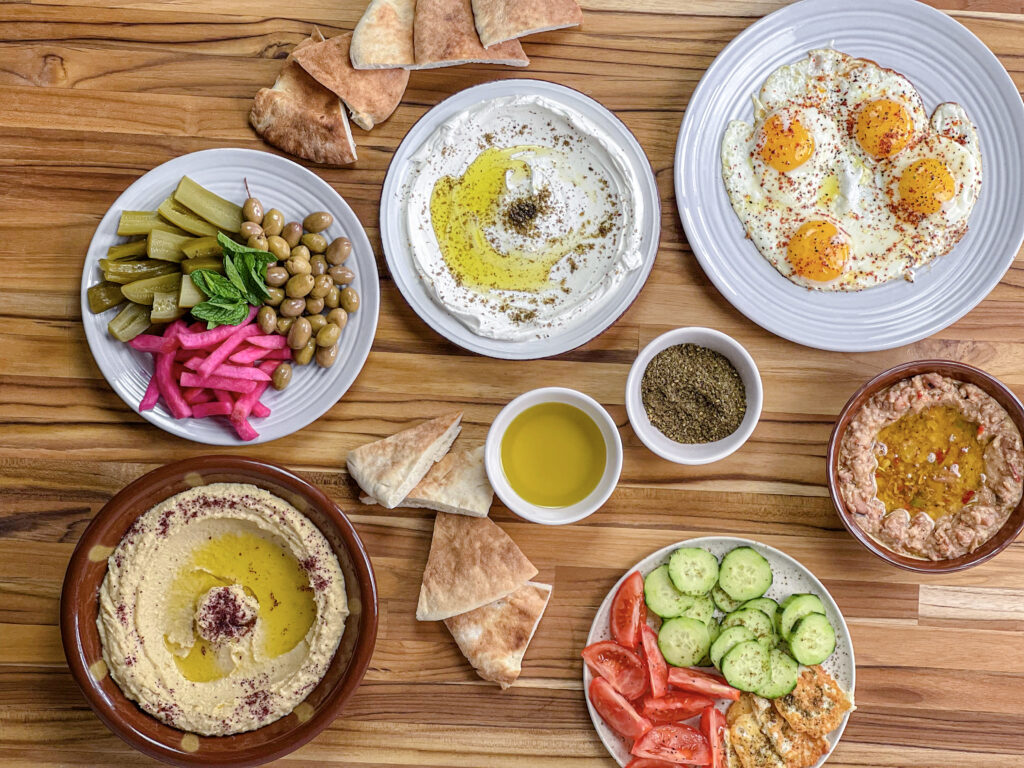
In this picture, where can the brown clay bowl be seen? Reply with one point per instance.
(954, 370)
(79, 606)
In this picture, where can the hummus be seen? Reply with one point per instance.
(931, 467)
(522, 217)
(221, 609)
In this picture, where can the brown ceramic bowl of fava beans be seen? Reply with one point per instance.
(79, 607)
(960, 372)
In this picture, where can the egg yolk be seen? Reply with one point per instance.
(884, 128)
(925, 186)
(818, 251)
(786, 144)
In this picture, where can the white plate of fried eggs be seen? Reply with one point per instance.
(830, 179)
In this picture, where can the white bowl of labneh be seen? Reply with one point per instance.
(693, 395)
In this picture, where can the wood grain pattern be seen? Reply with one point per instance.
(98, 93)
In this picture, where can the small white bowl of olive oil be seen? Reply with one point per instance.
(553, 455)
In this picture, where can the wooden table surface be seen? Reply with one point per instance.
(93, 97)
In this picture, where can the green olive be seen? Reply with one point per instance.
(304, 356)
(277, 246)
(317, 222)
(292, 307)
(281, 376)
(341, 275)
(277, 276)
(284, 324)
(333, 298)
(315, 242)
(349, 300)
(273, 222)
(314, 305)
(292, 233)
(298, 286)
(338, 316)
(325, 356)
(339, 250)
(300, 252)
(318, 265)
(328, 335)
(322, 285)
(316, 321)
(252, 210)
(250, 229)
(296, 266)
(259, 243)
(276, 296)
(266, 318)
(299, 333)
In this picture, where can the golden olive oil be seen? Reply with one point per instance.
(553, 455)
(268, 572)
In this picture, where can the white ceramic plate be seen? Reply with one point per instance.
(403, 269)
(946, 62)
(281, 184)
(789, 577)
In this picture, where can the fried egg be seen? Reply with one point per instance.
(842, 181)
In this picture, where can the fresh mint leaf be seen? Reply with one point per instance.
(214, 285)
(231, 272)
(221, 311)
(250, 268)
(230, 246)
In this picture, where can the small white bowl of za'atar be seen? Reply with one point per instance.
(693, 395)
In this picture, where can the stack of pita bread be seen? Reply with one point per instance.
(368, 69)
(476, 579)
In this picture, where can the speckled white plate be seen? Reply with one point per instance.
(407, 277)
(790, 577)
(281, 184)
(946, 62)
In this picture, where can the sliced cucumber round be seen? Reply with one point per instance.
(744, 574)
(684, 641)
(782, 677)
(661, 594)
(746, 666)
(714, 629)
(754, 620)
(798, 607)
(730, 637)
(813, 640)
(768, 607)
(725, 603)
(694, 571)
(702, 609)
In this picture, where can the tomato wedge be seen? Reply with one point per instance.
(712, 723)
(619, 666)
(629, 611)
(657, 669)
(616, 711)
(647, 762)
(699, 682)
(675, 743)
(674, 706)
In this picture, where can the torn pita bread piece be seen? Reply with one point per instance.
(383, 37)
(472, 562)
(444, 35)
(501, 20)
(456, 484)
(388, 469)
(370, 95)
(301, 117)
(494, 638)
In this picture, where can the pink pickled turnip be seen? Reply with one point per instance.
(189, 379)
(217, 408)
(220, 354)
(207, 339)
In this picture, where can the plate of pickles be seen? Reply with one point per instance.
(230, 296)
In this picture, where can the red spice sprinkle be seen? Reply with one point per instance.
(968, 495)
(222, 616)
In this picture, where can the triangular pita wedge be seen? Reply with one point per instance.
(301, 117)
(383, 37)
(388, 469)
(472, 562)
(444, 35)
(457, 484)
(371, 96)
(494, 638)
(501, 20)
